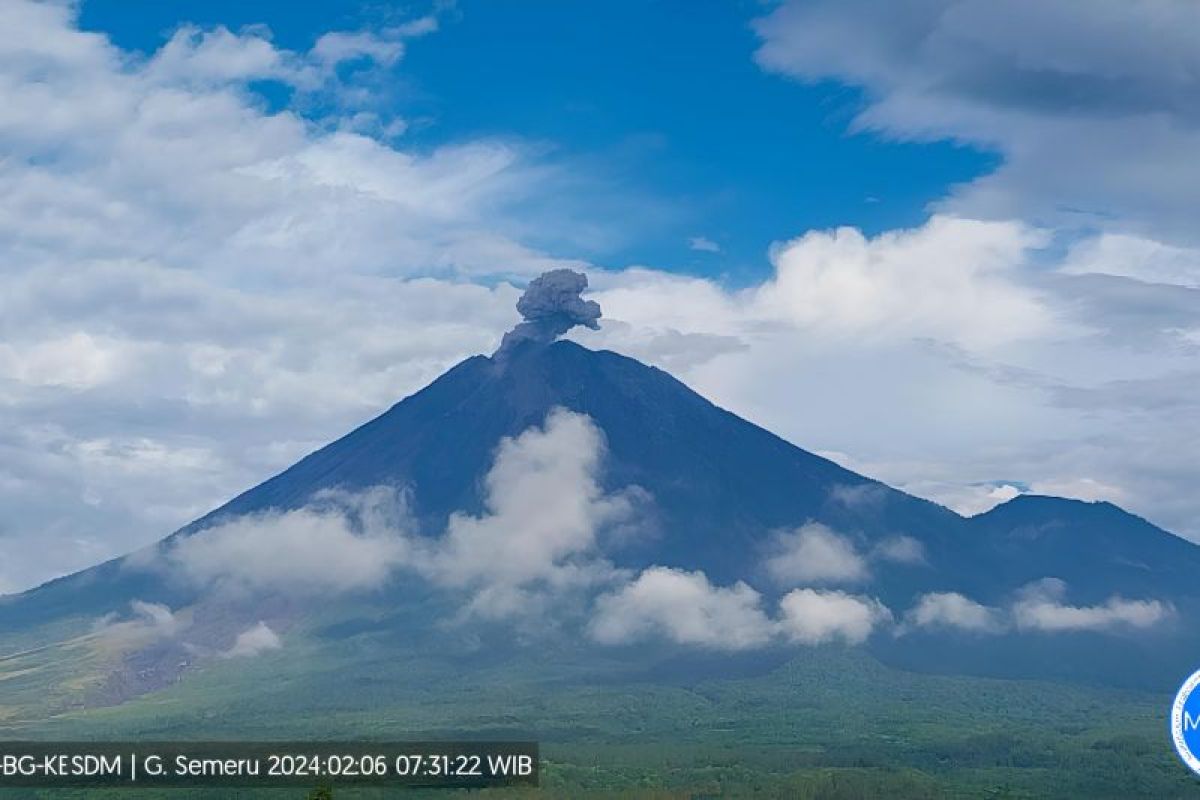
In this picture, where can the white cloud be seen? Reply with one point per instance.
(900, 550)
(703, 244)
(861, 496)
(684, 608)
(813, 616)
(1040, 608)
(954, 279)
(953, 610)
(187, 272)
(72, 361)
(966, 415)
(155, 616)
(339, 46)
(1089, 105)
(1037, 607)
(220, 56)
(1079, 489)
(197, 283)
(814, 553)
(343, 543)
(149, 622)
(544, 510)
(1134, 257)
(972, 500)
(535, 543)
(1085, 107)
(254, 641)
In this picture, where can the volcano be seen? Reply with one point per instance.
(720, 492)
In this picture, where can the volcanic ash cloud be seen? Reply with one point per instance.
(551, 306)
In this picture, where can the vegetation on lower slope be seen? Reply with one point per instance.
(821, 723)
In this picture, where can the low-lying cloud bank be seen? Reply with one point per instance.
(534, 554)
(341, 542)
(1037, 607)
(685, 608)
(536, 538)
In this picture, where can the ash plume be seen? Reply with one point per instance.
(551, 306)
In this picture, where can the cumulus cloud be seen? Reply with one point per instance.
(684, 608)
(199, 291)
(544, 510)
(193, 274)
(957, 395)
(953, 278)
(972, 420)
(1092, 96)
(953, 610)
(536, 540)
(254, 641)
(343, 542)
(814, 553)
(812, 616)
(1039, 607)
(551, 305)
(147, 623)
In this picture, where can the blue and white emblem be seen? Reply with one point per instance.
(1185, 722)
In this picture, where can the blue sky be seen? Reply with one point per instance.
(232, 231)
(660, 105)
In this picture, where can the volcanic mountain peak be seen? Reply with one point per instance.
(723, 496)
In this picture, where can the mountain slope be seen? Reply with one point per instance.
(719, 483)
(721, 489)
(1100, 546)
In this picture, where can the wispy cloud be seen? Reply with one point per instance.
(254, 641)
(953, 610)
(703, 244)
(1040, 607)
(147, 623)
(814, 553)
(1036, 607)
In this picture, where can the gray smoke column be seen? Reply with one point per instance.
(552, 306)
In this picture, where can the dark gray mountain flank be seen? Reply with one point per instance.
(720, 490)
